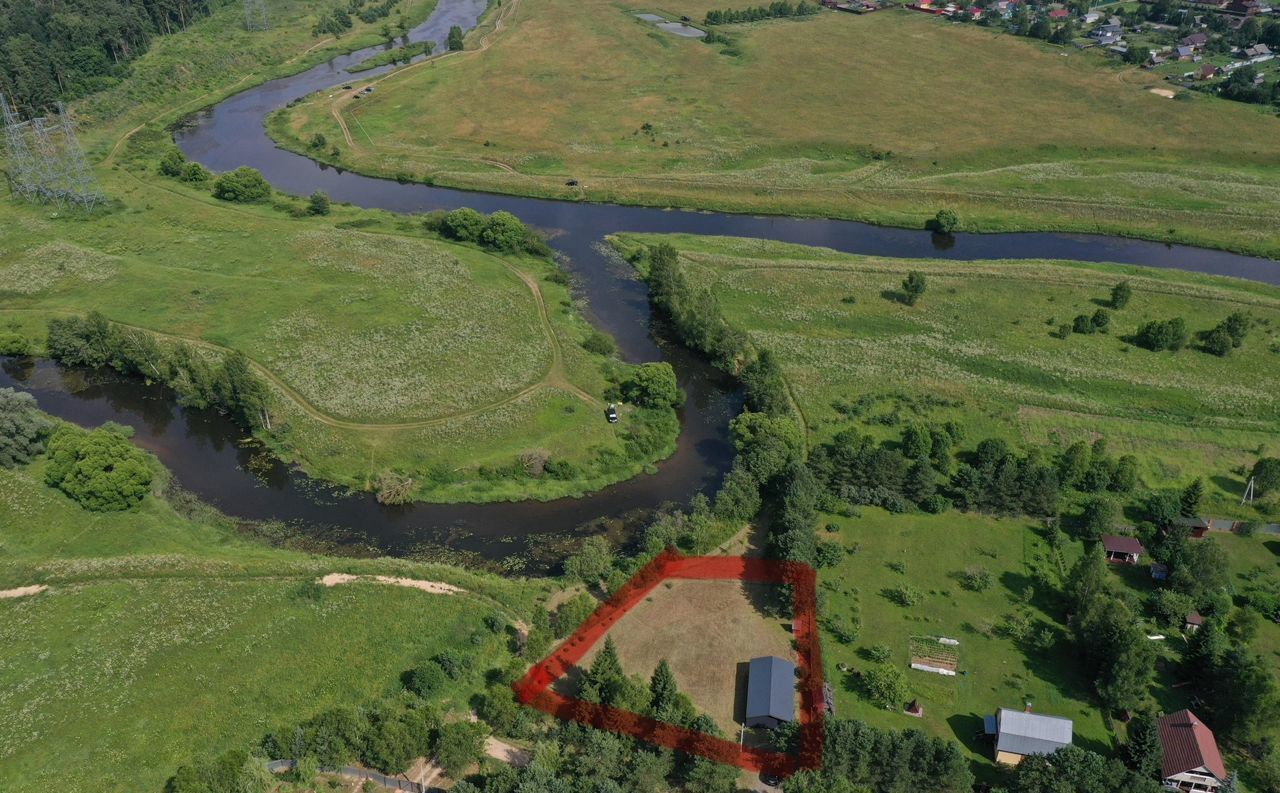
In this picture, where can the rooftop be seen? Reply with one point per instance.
(1030, 733)
(1117, 544)
(1188, 744)
(771, 688)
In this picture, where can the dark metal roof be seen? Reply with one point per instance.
(1117, 544)
(1188, 745)
(771, 688)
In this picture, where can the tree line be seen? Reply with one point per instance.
(223, 381)
(65, 50)
(776, 10)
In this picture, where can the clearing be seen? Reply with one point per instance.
(707, 631)
(980, 349)
(884, 117)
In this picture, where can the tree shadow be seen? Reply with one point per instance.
(1042, 597)
(1273, 546)
(894, 296)
(1228, 484)
(968, 730)
(741, 673)
(941, 240)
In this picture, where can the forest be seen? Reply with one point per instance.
(65, 50)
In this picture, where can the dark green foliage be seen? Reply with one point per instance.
(455, 41)
(458, 745)
(1199, 570)
(775, 10)
(694, 313)
(244, 185)
(395, 737)
(738, 499)
(766, 390)
(1158, 335)
(1075, 770)
(453, 663)
(1240, 695)
(501, 231)
(1192, 497)
(427, 679)
(23, 428)
(318, 203)
(591, 563)
(1095, 323)
(1227, 335)
(71, 49)
(234, 771)
(857, 756)
(600, 344)
(504, 232)
(1100, 516)
(653, 385)
(766, 445)
(464, 224)
(228, 385)
(1120, 295)
(1142, 752)
(14, 343)
(194, 173)
(946, 221)
(1218, 342)
(571, 613)
(913, 287)
(1117, 654)
(99, 469)
(172, 163)
(1266, 475)
(334, 23)
(997, 480)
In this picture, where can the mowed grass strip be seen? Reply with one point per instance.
(884, 117)
(979, 348)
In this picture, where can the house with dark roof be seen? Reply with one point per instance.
(1123, 550)
(1196, 40)
(1191, 758)
(1193, 622)
(1019, 733)
(771, 692)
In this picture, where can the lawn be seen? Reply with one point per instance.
(707, 631)
(931, 553)
(387, 350)
(979, 348)
(166, 638)
(884, 117)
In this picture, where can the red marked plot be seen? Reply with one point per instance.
(534, 689)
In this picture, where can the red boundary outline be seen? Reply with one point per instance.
(534, 689)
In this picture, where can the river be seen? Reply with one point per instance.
(205, 450)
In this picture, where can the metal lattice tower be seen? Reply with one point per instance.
(255, 15)
(18, 152)
(46, 162)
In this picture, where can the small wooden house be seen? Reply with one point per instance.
(1122, 550)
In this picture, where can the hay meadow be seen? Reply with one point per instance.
(885, 117)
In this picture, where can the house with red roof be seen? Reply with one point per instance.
(1191, 758)
(1059, 13)
(1123, 550)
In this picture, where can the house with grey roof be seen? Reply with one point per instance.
(1019, 733)
(771, 692)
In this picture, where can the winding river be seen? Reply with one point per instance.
(207, 454)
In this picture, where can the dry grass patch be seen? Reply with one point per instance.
(705, 630)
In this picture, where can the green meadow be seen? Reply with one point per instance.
(980, 348)
(885, 118)
(167, 637)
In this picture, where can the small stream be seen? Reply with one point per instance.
(206, 451)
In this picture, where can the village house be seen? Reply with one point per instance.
(1022, 733)
(1193, 622)
(1258, 53)
(1191, 758)
(771, 692)
(1122, 550)
(1244, 8)
(1196, 41)
(1059, 14)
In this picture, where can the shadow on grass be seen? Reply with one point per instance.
(740, 691)
(1273, 546)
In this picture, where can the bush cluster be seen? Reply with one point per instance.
(501, 231)
(99, 469)
(776, 10)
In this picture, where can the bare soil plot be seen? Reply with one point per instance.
(707, 631)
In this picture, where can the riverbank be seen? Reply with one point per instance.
(918, 144)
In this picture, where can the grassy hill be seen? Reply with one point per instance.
(981, 348)
(885, 117)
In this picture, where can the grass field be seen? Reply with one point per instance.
(165, 638)
(930, 553)
(885, 117)
(387, 350)
(979, 349)
(705, 630)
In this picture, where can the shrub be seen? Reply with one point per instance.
(653, 385)
(504, 231)
(599, 343)
(880, 653)
(1100, 516)
(976, 579)
(243, 185)
(913, 287)
(427, 680)
(453, 663)
(318, 203)
(464, 224)
(885, 685)
(1120, 294)
(14, 343)
(23, 428)
(100, 470)
(946, 221)
(458, 745)
(1158, 335)
(1266, 475)
(172, 163)
(194, 173)
(906, 595)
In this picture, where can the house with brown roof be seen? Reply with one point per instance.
(1122, 550)
(1193, 622)
(1191, 758)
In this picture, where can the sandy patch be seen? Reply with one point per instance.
(434, 587)
(506, 753)
(1165, 92)
(22, 591)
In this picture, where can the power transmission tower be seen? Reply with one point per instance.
(22, 165)
(1248, 493)
(255, 15)
(46, 162)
